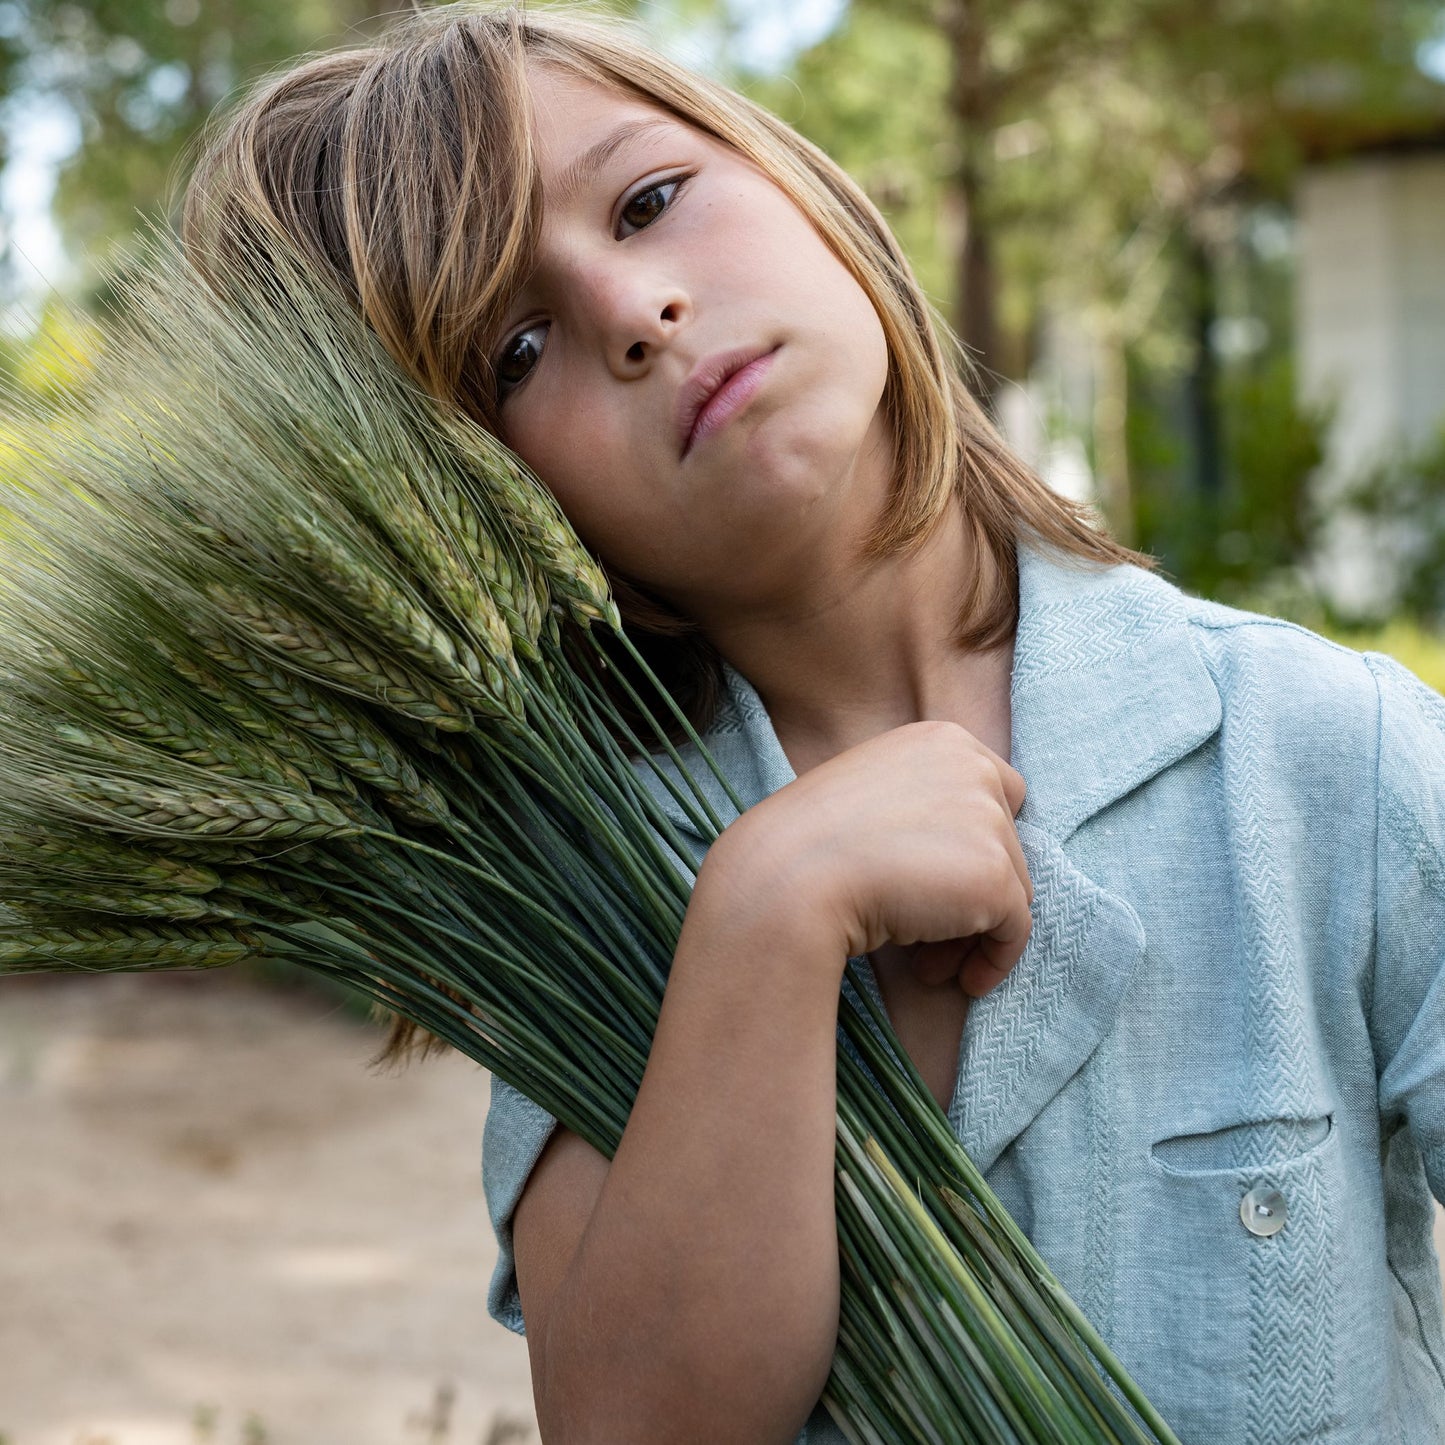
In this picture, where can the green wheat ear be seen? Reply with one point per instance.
(103, 949)
(58, 859)
(438, 531)
(387, 614)
(176, 729)
(525, 507)
(313, 648)
(244, 708)
(144, 808)
(360, 747)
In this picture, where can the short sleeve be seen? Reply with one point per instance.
(516, 1132)
(1408, 993)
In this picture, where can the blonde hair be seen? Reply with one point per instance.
(405, 172)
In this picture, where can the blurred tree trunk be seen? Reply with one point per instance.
(1111, 433)
(1203, 379)
(971, 101)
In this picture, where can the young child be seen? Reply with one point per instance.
(1182, 999)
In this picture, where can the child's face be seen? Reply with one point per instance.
(675, 250)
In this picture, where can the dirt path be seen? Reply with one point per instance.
(220, 1229)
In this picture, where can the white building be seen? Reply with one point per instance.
(1370, 331)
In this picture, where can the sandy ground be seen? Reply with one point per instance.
(217, 1227)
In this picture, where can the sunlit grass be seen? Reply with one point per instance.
(1418, 648)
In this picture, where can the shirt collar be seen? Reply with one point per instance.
(1108, 688)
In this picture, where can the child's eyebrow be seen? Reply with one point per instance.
(586, 166)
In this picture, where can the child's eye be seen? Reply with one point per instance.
(646, 206)
(519, 354)
(517, 358)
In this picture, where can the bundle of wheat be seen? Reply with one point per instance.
(295, 662)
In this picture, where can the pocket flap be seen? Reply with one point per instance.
(1257, 1145)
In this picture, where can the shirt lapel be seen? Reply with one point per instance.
(1108, 690)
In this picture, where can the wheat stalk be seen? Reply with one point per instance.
(531, 925)
(199, 746)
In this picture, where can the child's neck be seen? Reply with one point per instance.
(861, 658)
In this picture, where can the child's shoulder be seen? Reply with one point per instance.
(1237, 635)
(1319, 698)
(1263, 662)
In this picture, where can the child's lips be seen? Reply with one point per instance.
(718, 389)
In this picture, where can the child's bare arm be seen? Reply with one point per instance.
(705, 1255)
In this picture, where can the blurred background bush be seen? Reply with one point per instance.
(1195, 249)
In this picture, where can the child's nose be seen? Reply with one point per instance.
(667, 324)
(637, 317)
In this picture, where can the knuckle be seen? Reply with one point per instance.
(1003, 875)
(994, 876)
(939, 731)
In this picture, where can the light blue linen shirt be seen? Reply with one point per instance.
(1235, 984)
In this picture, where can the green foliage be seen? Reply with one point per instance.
(1262, 521)
(141, 76)
(1407, 497)
(1274, 445)
(56, 358)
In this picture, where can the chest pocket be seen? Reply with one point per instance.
(1259, 1205)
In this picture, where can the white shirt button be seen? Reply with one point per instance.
(1263, 1212)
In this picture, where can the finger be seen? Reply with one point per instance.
(979, 975)
(939, 963)
(1014, 787)
(1020, 863)
(997, 951)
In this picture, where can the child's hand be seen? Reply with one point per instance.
(908, 838)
